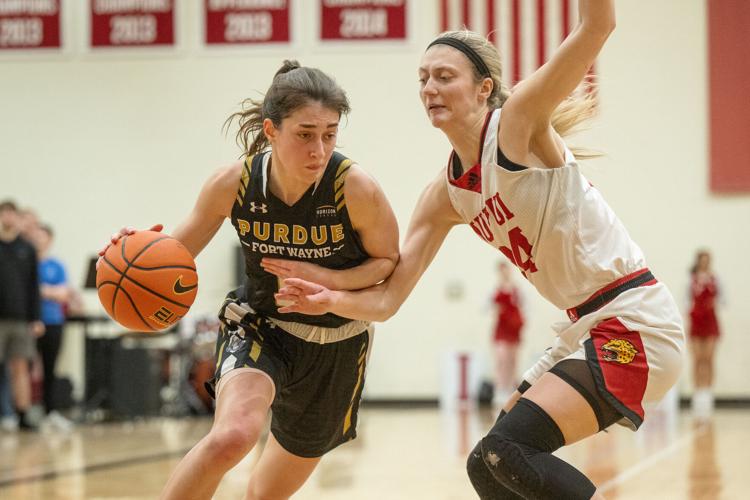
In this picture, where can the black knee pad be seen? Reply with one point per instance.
(484, 483)
(506, 461)
(527, 423)
(517, 452)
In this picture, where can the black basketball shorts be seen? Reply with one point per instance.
(318, 386)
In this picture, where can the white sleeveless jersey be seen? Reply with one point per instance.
(550, 222)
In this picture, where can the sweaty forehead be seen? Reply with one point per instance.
(439, 56)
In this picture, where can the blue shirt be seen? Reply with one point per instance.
(52, 272)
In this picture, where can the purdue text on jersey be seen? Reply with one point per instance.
(316, 229)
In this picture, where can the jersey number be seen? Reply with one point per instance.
(520, 248)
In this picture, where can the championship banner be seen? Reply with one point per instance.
(526, 32)
(728, 103)
(132, 23)
(363, 19)
(29, 24)
(234, 22)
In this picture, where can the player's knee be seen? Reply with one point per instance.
(533, 473)
(507, 462)
(513, 442)
(485, 485)
(483, 481)
(229, 443)
(475, 466)
(518, 454)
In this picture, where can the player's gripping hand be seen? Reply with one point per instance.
(305, 297)
(306, 271)
(122, 232)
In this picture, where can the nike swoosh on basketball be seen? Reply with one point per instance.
(179, 288)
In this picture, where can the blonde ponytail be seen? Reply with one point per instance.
(573, 114)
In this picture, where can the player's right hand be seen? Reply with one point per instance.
(123, 232)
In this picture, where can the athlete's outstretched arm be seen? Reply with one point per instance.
(214, 204)
(433, 218)
(525, 126)
(373, 219)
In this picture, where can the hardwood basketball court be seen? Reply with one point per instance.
(400, 454)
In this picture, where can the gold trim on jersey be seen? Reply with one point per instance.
(247, 168)
(338, 185)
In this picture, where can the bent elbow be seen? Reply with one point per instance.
(385, 312)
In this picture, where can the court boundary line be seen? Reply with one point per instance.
(86, 469)
(652, 459)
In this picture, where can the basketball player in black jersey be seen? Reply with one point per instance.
(302, 201)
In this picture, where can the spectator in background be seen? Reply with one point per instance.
(507, 336)
(28, 223)
(704, 332)
(55, 294)
(19, 308)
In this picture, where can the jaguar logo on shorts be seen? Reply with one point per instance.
(619, 350)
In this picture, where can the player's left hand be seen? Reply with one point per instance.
(305, 297)
(125, 231)
(307, 271)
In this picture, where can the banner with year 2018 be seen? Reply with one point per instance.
(132, 23)
(240, 22)
(30, 24)
(363, 19)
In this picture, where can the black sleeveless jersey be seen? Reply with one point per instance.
(316, 229)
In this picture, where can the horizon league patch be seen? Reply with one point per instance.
(326, 211)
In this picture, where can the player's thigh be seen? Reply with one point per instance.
(565, 405)
(278, 473)
(244, 397)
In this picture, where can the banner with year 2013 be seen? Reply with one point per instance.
(363, 19)
(132, 23)
(29, 24)
(240, 22)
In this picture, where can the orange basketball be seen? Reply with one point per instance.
(147, 281)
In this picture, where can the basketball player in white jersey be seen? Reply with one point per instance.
(514, 181)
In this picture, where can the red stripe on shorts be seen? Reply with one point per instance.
(622, 359)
